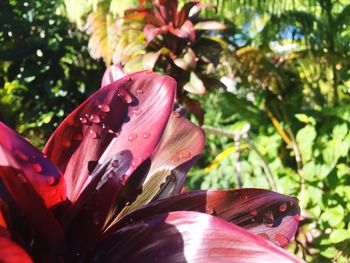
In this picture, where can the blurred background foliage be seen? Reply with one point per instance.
(271, 90)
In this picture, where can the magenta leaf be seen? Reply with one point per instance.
(17, 154)
(117, 117)
(262, 212)
(112, 74)
(186, 237)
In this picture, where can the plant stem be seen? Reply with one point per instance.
(229, 134)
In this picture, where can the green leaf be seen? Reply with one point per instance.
(305, 119)
(340, 131)
(339, 235)
(334, 150)
(305, 139)
(333, 216)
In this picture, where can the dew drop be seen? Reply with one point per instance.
(139, 91)
(210, 211)
(184, 154)
(124, 95)
(37, 167)
(94, 134)
(111, 174)
(95, 119)
(268, 219)
(50, 180)
(78, 137)
(104, 107)
(281, 240)
(175, 159)
(283, 207)
(253, 212)
(297, 218)
(132, 137)
(21, 155)
(176, 114)
(66, 143)
(115, 163)
(83, 120)
(146, 135)
(137, 111)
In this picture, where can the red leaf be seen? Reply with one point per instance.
(42, 175)
(247, 208)
(114, 119)
(186, 237)
(186, 31)
(112, 74)
(10, 252)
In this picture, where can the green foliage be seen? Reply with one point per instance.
(45, 66)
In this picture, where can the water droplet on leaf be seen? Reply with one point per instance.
(176, 114)
(37, 167)
(281, 240)
(184, 154)
(124, 95)
(104, 108)
(132, 137)
(283, 207)
(95, 119)
(137, 111)
(146, 135)
(66, 143)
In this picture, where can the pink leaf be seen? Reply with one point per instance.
(186, 237)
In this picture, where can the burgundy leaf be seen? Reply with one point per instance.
(183, 15)
(118, 117)
(10, 252)
(180, 147)
(17, 154)
(262, 212)
(85, 219)
(167, 9)
(186, 237)
(112, 74)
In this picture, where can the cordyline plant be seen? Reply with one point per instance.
(161, 36)
(106, 188)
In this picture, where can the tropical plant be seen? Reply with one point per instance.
(158, 35)
(124, 154)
